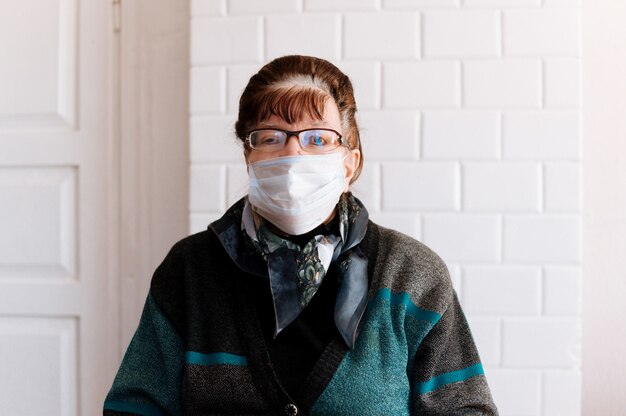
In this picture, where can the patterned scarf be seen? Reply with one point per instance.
(296, 273)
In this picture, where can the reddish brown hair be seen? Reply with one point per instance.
(290, 87)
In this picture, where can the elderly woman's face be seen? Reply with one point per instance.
(331, 120)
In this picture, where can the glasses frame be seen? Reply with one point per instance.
(342, 141)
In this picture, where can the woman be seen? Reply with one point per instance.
(294, 302)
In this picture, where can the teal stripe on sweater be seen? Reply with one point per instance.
(143, 409)
(215, 358)
(404, 298)
(449, 378)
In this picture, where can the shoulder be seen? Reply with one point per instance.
(403, 264)
(402, 250)
(222, 234)
(194, 265)
(187, 259)
(194, 251)
(195, 242)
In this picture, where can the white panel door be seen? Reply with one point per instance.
(58, 221)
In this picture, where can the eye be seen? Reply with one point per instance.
(318, 138)
(267, 138)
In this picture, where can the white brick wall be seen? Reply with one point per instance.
(487, 334)
(562, 80)
(208, 90)
(487, 186)
(341, 5)
(461, 135)
(503, 83)
(204, 8)
(469, 114)
(548, 31)
(416, 4)
(266, 6)
(212, 139)
(562, 290)
(462, 238)
(542, 238)
(501, 3)
(421, 84)
(380, 129)
(502, 290)
(558, 388)
(518, 392)
(544, 342)
(306, 34)
(236, 39)
(541, 135)
(462, 34)
(387, 35)
(366, 80)
(420, 186)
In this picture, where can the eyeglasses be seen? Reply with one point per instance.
(311, 140)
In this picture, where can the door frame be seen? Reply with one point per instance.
(152, 118)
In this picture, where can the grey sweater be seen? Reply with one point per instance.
(199, 348)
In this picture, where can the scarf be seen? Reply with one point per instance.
(296, 273)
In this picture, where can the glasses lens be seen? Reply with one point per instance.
(319, 140)
(267, 140)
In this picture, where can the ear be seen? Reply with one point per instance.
(350, 163)
(246, 153)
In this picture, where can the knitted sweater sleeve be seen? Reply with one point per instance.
(148, 382)
(448, 377)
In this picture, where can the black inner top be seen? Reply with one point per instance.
(297, 348)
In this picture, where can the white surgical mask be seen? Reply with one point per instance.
(297, 193)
